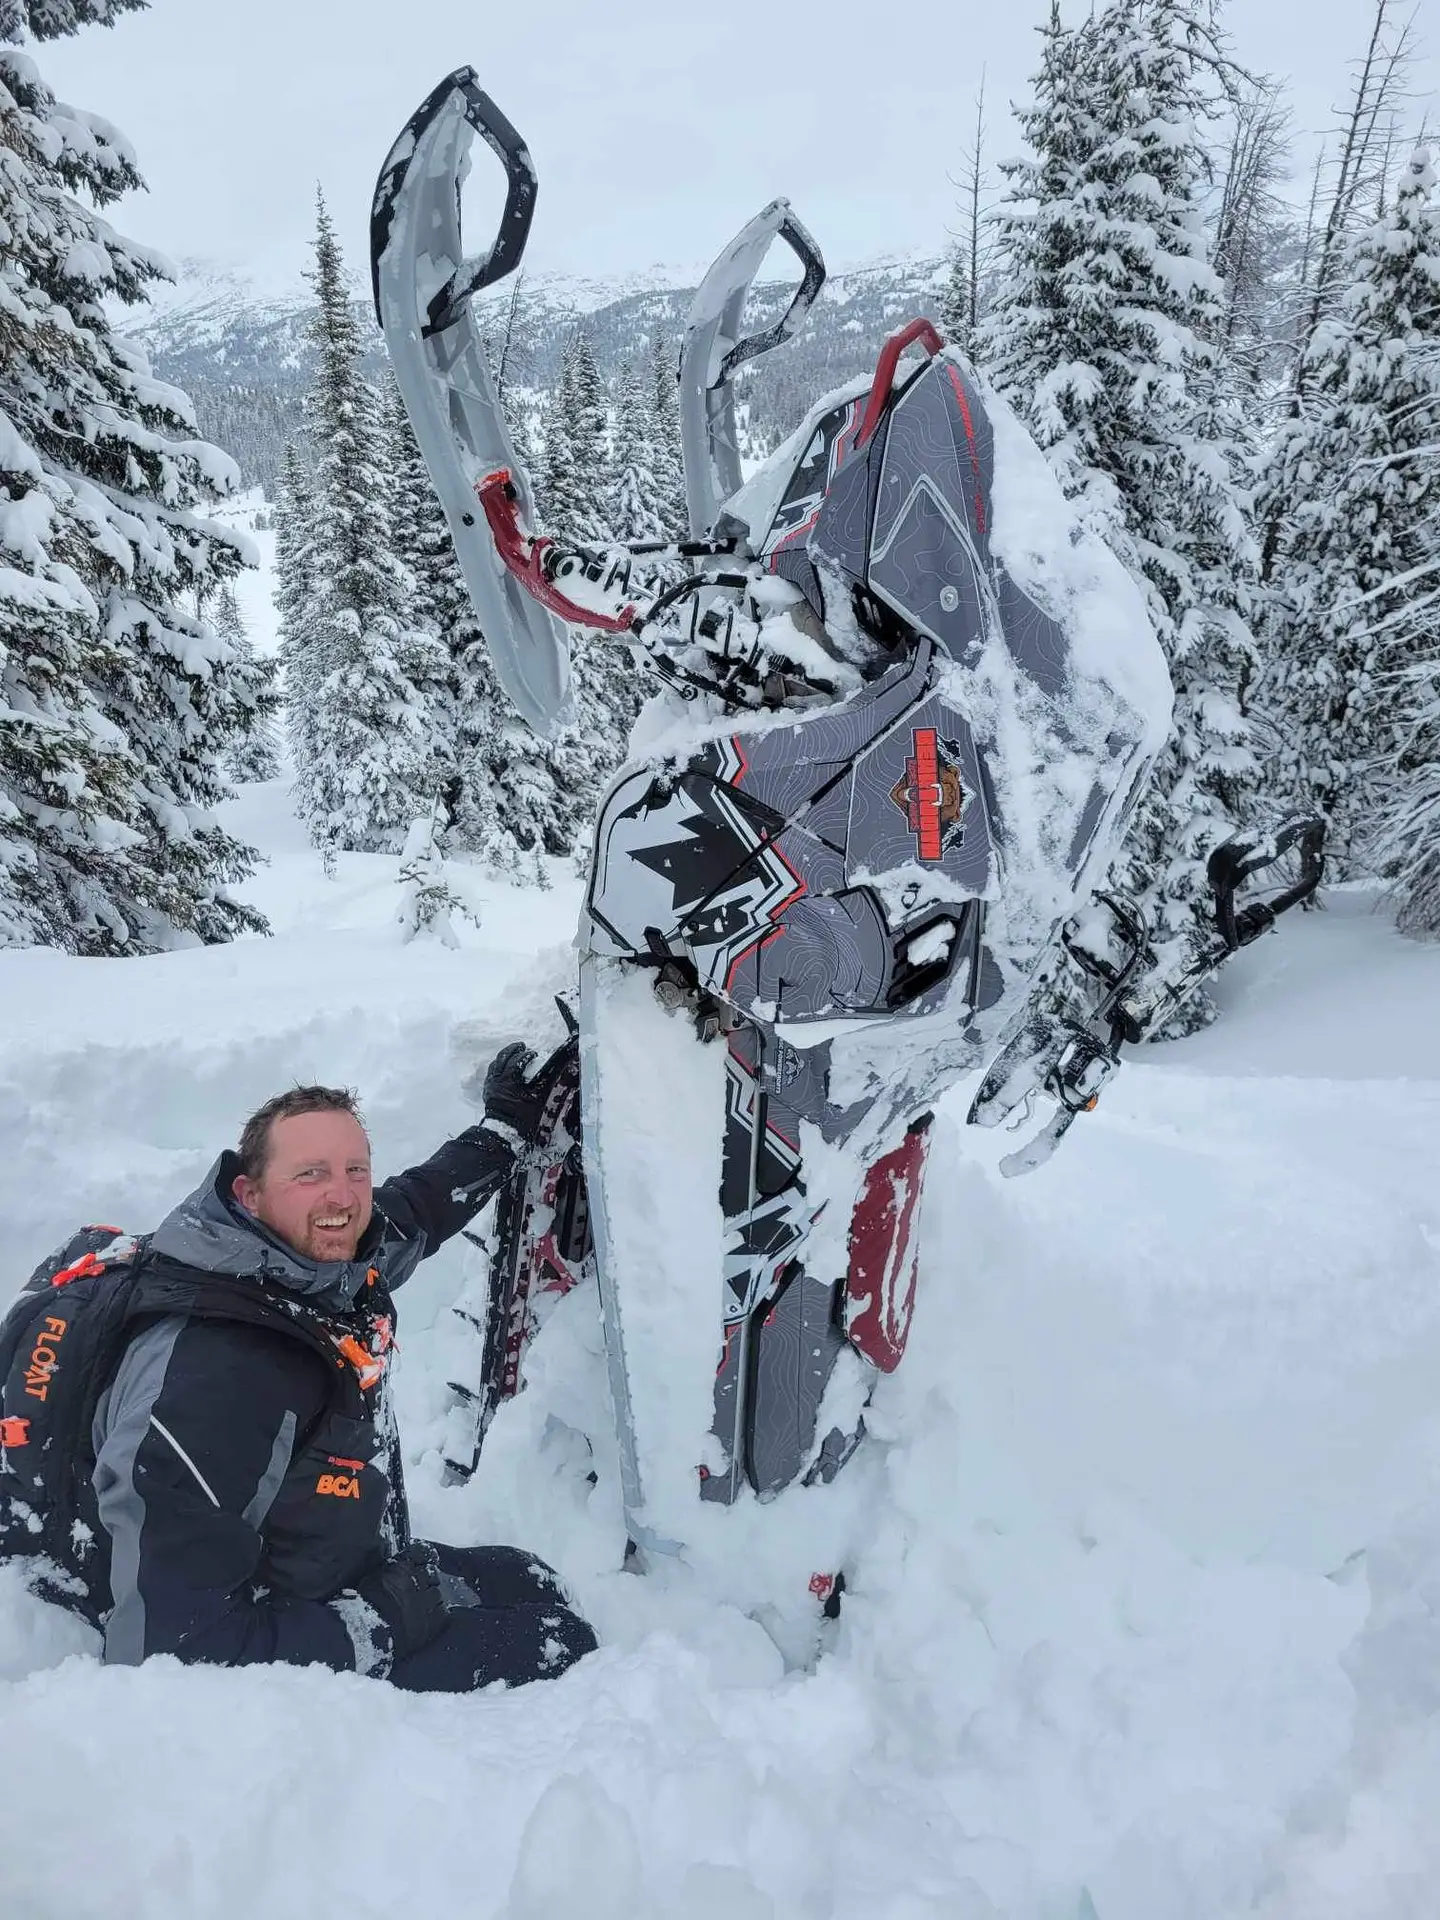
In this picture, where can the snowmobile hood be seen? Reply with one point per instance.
(213, 1233)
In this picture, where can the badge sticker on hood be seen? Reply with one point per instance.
(931, 797)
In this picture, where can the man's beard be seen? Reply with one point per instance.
(332, 1244)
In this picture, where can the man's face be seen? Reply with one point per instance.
(315, 1191)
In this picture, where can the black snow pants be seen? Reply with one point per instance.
(509, 1620)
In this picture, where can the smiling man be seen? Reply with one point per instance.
(240, 1498)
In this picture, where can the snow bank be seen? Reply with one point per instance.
(1108, 1649)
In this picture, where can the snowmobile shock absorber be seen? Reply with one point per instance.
(694, 583)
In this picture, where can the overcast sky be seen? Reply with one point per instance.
(657, 126)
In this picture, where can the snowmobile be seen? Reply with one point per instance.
(905, 704)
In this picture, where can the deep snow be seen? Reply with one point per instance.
(1149, 1612)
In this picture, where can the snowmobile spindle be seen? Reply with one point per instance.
(714, 347)
(535, 562)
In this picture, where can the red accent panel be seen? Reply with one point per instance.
(523, 558)
(793, 534)
(922, 330)
(959, 385)
(880, 1287)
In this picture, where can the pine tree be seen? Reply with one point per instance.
(256, 756)
(1102, 339)
(428, 900)
(1353, 489)
(588, 429)
(116, 702)
(669, 467)
(56, 19)
(961, 301)
(608, 478)
(1360, 170)
(420, 544)
(1405, 846)
(633, 511)
(954, 309)
(294, 590)
(363, 735)
(578, 490)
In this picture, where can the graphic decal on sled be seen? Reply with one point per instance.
(931, 797)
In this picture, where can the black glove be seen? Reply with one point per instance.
(406, 1594)
(510, 1096)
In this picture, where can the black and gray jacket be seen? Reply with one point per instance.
(245, 1468)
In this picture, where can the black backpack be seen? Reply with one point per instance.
(58, 1346)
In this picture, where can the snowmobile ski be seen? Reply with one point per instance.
(714, 349)
(424, 293)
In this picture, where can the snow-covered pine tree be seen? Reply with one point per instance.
(256, 756)
(632, 510)
(608, 684)
(1352, 489)
(553, 471)
(954, 306)
(294, 590)
(587, 421)
(1406, 846)
(363, 730)
(419, 544)
(428, 900)
(116, 702)
(576, 456)
(1102, 340)
(669, 457)
(1358, 175)
(576, 492)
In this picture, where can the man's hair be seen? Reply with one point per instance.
(255, 1135)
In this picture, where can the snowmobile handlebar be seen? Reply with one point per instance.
(1070, 1059)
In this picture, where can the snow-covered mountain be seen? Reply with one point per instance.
(234, 337)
